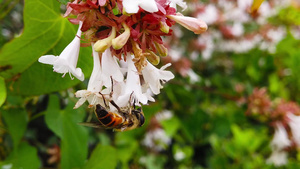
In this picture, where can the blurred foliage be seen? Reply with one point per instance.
(208, 127)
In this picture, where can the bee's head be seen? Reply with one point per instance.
(140, 116)
(142, 119)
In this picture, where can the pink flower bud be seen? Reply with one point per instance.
(164, 27)
(103, 44)
(120, 41)
(193, 24)
(152, 57)
(162, 51)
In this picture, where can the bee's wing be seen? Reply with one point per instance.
(92, 124)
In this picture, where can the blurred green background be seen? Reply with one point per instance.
(198, 120)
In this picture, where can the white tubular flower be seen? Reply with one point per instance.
(96, 83)
(179, 155)
(84, 95)
(132, 87)
(132, 6)
(94, 86)
(110, 68)
(280, 139)
(154, 76)
(193, 24)
(278, 158)
(66, 62)
(279, 143)
(157, 139)
(164, 115)
(180, 3)
(294, 124)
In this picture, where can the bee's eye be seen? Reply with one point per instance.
(142, 120)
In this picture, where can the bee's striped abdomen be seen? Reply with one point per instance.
(107, 119)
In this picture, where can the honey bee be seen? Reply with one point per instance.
(126, 118)
(123, 119)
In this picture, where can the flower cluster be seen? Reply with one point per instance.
(233, 27)
(283, 116)
(126, 38)
(229, 21)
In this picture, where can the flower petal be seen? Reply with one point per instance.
(153, 76)
(48, 59)
(193, 24)
(96, 82)
(278, 158)
(132, 6)
(133, 86)
(110, 68)
(180, 3)
(280, 139)
(67, 60)
(295, 127)
(148, 5)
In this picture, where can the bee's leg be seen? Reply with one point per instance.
(116, 106)
(103, 99)
(129, 101)
(134, 104)
(112, 88)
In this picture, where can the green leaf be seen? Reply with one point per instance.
(103, 157)
(274, 82)
(45, 32)
(182, 152)
(171, 126)
(63, 1)
(53, 116)
(74, 147)
(154, 162)
(2, 91)
(193, 125)
(221, 126)
(24, 157)
(42, 25)
(127, 145)
(74, 137)
(40, 79)
(290, 15)
(16, 122)
(244, 139)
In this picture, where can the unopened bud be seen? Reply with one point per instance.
(120, 41)
(101, 2)
(193, 24)
(152, 57)
(103, 44)
(161, 49)
(164, 27)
